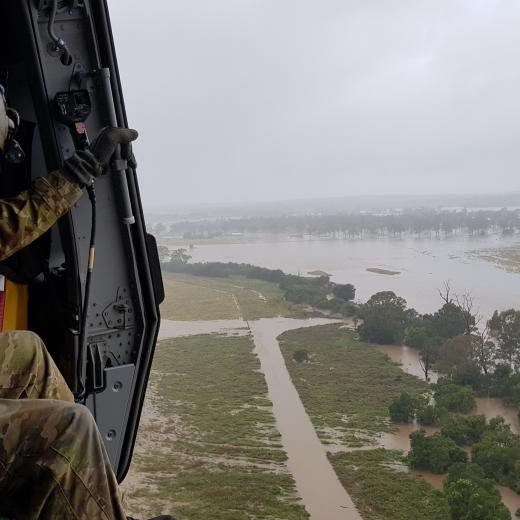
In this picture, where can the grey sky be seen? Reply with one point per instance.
(252, 100)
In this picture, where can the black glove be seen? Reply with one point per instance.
(85, 165)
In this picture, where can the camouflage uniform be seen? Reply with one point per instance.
(53, 463)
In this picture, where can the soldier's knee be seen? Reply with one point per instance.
(20, 349)
(78, 415)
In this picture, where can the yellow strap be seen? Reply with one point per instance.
(16, 306)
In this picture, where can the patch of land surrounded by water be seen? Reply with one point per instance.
(507, 258)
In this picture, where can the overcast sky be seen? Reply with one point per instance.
(260, 100)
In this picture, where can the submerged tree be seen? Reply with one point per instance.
(504, 327)
(384, 318)
(422, 338)
(472, 496)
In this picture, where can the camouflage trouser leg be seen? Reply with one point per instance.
(53, 464)
(27, 370)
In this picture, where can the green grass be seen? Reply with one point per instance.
(382, 489)
(348, 385)
(208, 446)
(199, 298)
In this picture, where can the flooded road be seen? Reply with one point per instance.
(319, 488)
(322, 493)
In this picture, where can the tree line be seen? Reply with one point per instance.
(316, 291)
(355, 225)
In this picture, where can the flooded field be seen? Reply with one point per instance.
(423, 265)
(316, 481)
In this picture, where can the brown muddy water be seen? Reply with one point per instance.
(490, 407)
(322, 493)
(423, 263)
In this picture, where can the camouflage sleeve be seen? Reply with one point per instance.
(31, 213)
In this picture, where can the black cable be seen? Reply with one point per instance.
(60, 44)
(81, 368)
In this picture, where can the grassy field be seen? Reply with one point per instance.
(198, 298)
(382, 490)
(208, 446)
(507, 258)
(347, 386)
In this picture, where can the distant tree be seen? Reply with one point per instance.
(445, 292)
(159, 228)
(384, 318)
(466, 304)
(456, 357)
(484, 351)
(345, 291)
(450, 321)
(435, 453)
(422, 338)
(455, 398)
(504, 327)
(472, 496)
(498, 453)
(164, 253)
(180, 256)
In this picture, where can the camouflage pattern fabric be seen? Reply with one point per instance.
(53, 464)
(28, 215)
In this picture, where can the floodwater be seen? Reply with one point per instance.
(317, 484)
(322, 493)
(408, 358)
(490, 407)
(424, 264)
(176, 329)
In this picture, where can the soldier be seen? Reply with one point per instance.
(53, 463)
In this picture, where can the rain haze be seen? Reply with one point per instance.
(241, 100)
(333, 185)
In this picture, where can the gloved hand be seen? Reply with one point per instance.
(85, 165)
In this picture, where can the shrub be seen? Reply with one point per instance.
(498, 453)
(464, 430)
(403, 410)
(344, 291)
(431, 415)
(455, 398)
(301, 356)
(471, 495)
(435, 453)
